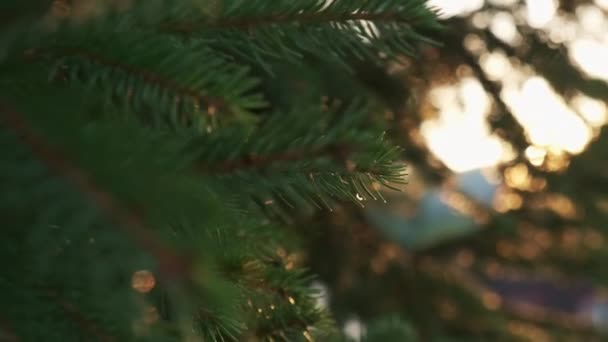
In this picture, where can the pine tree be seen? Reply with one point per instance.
(545, 238)
(155, 154)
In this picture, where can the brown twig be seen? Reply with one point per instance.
(339, 152)
(171, 265)
(213, 104)
(244, 23)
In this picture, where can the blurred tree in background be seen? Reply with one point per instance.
(501, 232)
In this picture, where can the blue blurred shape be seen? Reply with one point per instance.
(434, 220)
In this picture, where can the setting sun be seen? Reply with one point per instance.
(459, 135)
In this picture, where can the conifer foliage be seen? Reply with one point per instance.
(153, 154)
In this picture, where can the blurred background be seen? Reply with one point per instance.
(501, 232)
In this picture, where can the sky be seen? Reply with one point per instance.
(459, 135)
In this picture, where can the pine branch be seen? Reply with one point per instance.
(86, 325)
(273, 293)
(300, 158)
(116, 165)
(212, 104)
(294, 324)
(337, 30)
(171, 266)
(163, 80)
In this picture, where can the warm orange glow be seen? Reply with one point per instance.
(528, 332)
(289, 265)
(562, 205)
(307, 336)
(506, 200)
(378, 264)
(505, 249)
(543, 238)
(571, 238)
(143, 281)
(491, 300)
(447, 309)
(529, 250)
(493, 269)
(151, 315)
(602, 204)
(281, 252)
(538, 184)
(518, 177)
(594, 239)
(556, 161)
(465, 258)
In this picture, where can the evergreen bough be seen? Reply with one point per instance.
(152, 154)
